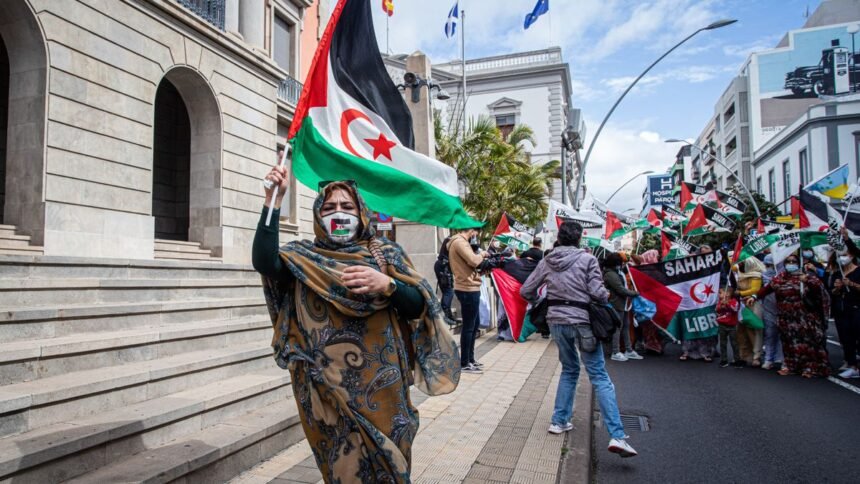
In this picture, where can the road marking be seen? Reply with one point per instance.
(834, 343)
(844, 385)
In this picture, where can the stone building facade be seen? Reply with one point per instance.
(141, 129)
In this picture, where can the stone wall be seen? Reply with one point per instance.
(107, 58)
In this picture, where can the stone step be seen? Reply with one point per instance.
(14, 241)
(28, 250)
(34, 404)
(57, 452)
(57, 321)
(29, 360)
(8, 231)
(180, 255)
(53, 267)
(161, 243)
(36, 292)
(215, 454)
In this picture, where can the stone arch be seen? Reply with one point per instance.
(23, 118)
(203, 185)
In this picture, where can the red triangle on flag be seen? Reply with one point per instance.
(697, 220)
(665, 244)
(514, 304)
(612, 225)
(686, 196)
(799, 213)
(503, 227)
(739, 246)
(667, 301)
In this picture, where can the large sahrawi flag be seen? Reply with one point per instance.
(352, 123)
(512, 233)
(685, 291)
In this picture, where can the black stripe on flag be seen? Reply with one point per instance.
(685, 269)
(356, 61)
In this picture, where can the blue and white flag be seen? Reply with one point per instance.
(541, 8)
(453, 17)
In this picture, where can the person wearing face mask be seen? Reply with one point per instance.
(811, 265)
(467, 287)
(772, 344)
(846, 312)
(356, 325)
(802, 304)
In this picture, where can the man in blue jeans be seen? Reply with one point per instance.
(467, 287)
(573, 279)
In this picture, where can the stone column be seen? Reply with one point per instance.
(421, 242)
(231, 18)
(251, 22)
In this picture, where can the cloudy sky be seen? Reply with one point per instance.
(607, 44)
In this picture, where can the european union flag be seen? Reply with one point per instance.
(541, 8)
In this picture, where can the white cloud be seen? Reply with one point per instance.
(744, 50)
(691, 74)
(622, 152)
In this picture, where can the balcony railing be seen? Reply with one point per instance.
(211, 11)
(289, 90)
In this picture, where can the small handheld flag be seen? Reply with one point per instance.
(453, 17)
(388, 7)
(541, 8)
(833, 184)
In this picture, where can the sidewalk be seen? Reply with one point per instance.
(492, 429)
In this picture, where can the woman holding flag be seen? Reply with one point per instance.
(356, 325)
(802, 304)
(750, 335)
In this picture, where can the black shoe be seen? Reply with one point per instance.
(739, 364)
(477, 364)
(724, 364)
(544, 336)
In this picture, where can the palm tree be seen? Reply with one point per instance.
(495, 172)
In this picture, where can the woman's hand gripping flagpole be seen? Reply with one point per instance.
(273, 181)
(670, 335)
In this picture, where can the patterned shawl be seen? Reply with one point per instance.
(317, 266)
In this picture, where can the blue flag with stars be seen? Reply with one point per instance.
(541, 8)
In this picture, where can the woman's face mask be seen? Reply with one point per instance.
(808, 254)
(844, 260)
(341, 226)
(792, 266)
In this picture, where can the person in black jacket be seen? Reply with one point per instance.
(619, 298)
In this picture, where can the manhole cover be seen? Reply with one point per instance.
(635, 422)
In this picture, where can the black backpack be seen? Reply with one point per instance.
(442, 267)
(603, 318)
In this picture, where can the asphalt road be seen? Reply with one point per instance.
(727, 425)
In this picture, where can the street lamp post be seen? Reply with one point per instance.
(716, 25)
(729, 170)
(647, 172)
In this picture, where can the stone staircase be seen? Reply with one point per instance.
(181, 250)
(136, 371)
(13, 243)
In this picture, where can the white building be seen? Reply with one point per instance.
(531, 88)
(825, 137)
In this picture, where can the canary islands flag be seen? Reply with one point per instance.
(833, 184)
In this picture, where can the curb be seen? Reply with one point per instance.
(575, 465)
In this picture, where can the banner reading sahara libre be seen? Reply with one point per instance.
(351, 123)
(685, 291)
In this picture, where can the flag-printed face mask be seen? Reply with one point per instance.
(341, 226)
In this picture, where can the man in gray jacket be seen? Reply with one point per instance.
(572, 275)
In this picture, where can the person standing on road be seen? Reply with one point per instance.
(750, 339)
(573, 280)
(619, 298)
(467, 287)
(802, 304)
(727, 319)
(769, 311)
(846, 312)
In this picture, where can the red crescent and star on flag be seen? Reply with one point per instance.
(709, 290)
(381, 145)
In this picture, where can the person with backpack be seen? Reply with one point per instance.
(445, 278)
(573, 281)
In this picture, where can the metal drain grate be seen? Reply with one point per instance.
(635, 422)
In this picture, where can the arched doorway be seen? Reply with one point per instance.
(23, 81)
(4, 121)
(171, 162)
(186, 195)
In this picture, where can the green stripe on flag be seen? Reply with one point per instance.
(749, 318)
(385, 189)
(694, 324)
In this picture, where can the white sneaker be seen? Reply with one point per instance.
(619, 357)
(850, 373)
(560, 429)
(470, 368)
(633, 355)
(622, 448)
